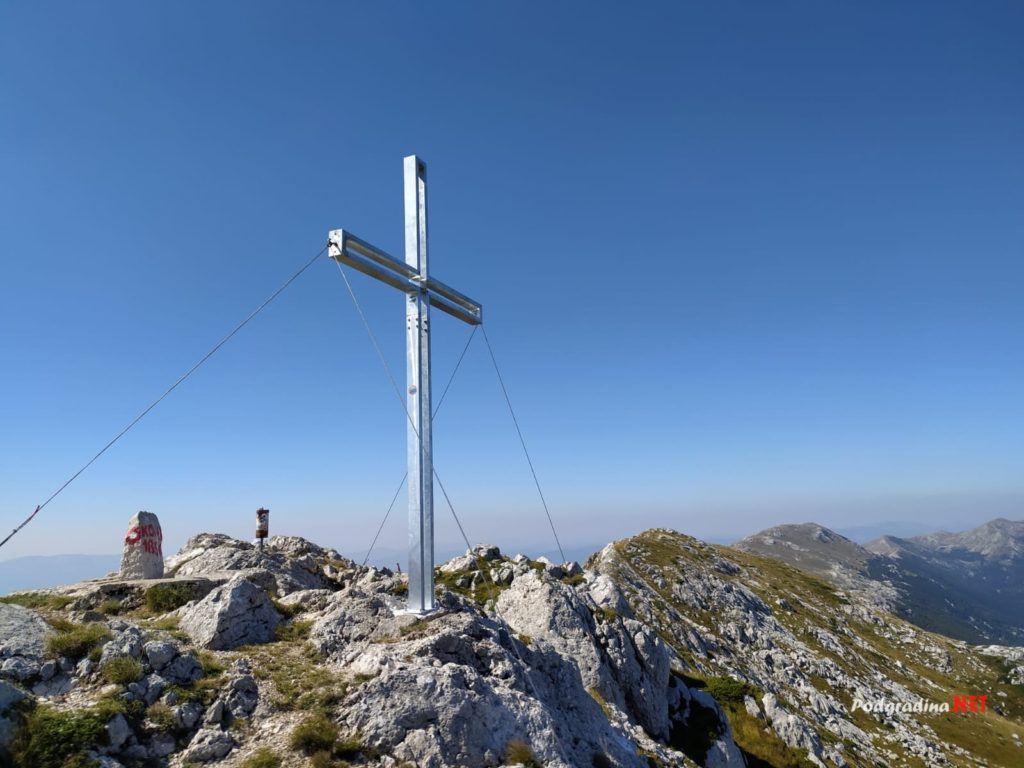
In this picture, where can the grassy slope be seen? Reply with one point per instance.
(892, 646)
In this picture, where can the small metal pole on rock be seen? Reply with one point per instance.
(262, 525)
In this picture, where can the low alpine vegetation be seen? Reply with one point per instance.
(121, 670)
(77, 640)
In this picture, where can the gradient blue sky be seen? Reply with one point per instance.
(742, 263)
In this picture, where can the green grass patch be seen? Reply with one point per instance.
(292, 630)
(161, 598)
(212, 666)
(60, 623)
(111, 606)
(38, 600)
(287, 611)
(485, 591)
(300, 683)
(325, 759)
(728, 690)
(607, 615)
(161, 717)
(77, 641)
(264, 757)
(317, 733)
(121, 670)
(203, 691)
(51, 738)
(350, 747)
(760, 745)
(602, 702)
(518, 751)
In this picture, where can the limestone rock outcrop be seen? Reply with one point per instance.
(237, 613)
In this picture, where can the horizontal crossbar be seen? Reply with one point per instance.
(348, 249)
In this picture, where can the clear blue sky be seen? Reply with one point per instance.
(742, 263)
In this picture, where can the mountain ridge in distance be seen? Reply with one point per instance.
(967, 585)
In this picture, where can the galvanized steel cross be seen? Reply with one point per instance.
(422, 293)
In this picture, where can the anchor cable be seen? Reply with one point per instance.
(170, 389)
(401, 400)
(522, 442)
(406, 475)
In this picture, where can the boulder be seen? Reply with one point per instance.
(243, 693)
(19, 668)
(127, 641)
(143, 557)
(183, 670)
(22, 633)
(234, 614)
(160, 653)
(117, 732)
(209, 744)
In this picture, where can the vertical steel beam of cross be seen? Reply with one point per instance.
(417, 330)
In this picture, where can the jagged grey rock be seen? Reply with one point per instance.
(620, 659)
(154, 686)
(19, 668)
(118, 732)
(23, 633)
(187, 715)
(48, 670)
(127, 641)
(160, 653)
(55, 686)
(241, 692)
(142, 557)
(286, 564)
(214, 714)
(465, 710)
(183, 670)
(208, 744)
(237, 613)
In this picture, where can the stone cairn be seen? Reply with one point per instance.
(143, 556)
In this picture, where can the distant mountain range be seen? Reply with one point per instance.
(40, 571)
(968, 586)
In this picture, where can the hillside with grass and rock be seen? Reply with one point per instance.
(660, 651)
(967, 585)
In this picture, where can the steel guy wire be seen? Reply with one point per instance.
(170, 389)
(522, 442)
(406, 476)
(398, 393)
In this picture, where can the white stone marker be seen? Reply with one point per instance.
(143, 556)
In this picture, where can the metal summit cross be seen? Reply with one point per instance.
(422, 292)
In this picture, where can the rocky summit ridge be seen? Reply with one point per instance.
(659, 651)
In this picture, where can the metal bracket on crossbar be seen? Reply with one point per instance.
(348, 249)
